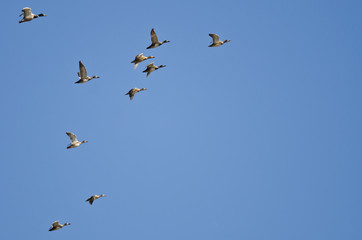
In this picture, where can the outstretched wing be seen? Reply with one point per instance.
(150, 65)
(56, 223)
(90, 200)
(27, 12)
(215, 37)
(72, 137)
(154, 38)
(82, 70)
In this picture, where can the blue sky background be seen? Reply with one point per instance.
(257, 139)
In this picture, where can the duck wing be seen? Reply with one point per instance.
(215, 37)
(154, 37)
(82, 70)
(55, 224)
(151, 65)
(72, 137)
(90, 200)
(138, 57)
(26, 12)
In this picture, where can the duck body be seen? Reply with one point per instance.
(56, 226)
(74, 145)
(154, 40)
(133, 91)
(74, 141)
(82, 74)
(93, 198)
(28, 15)
(216, 40)
(140, 58)
(151, 68)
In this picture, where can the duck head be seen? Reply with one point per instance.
(95, 76)
(166, 41)
(85, 141)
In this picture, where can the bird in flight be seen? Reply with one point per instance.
(133, 91)
(216, 41)
(154, 39)
(56, 226)
(74, 141)
(28, 15)
(152, 67)
(140, 58)
(82, 74)
(93, 198)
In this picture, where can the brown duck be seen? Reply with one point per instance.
(93, 198)
(56, 226)
(151, 67)
(154, 39)
(133, 91)
(216, 41)
(140, 58)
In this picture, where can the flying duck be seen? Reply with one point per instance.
(133, 91)
(154, 39)
(151, 67)
(93, 198)
(28, 15)
(82, 74)
(74, 141)
(216, 41)
(140, 58)
(57, 226)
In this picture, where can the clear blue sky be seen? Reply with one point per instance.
(257, 139)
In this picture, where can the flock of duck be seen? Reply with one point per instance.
(83, 78)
